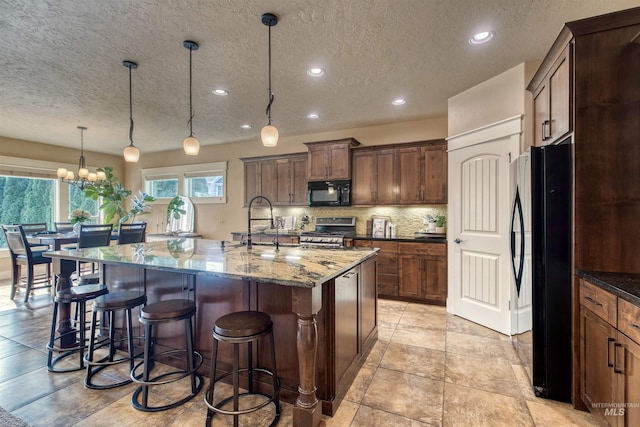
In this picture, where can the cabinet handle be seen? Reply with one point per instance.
(592, 301)
(634, 326)
(609, 341)
(615, 359)
(348, 275)
(544, 129)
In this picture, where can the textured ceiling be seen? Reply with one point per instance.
(61, 63)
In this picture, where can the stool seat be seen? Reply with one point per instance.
(174, 309)
(89, 279)
(79, 293)
(242, 324)
(120, 300)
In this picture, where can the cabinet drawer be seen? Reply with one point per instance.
(434, 249)
(599, 301)
(384, 246)
(629, 319)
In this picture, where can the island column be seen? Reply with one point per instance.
(306, 303)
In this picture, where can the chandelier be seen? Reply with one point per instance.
(83, 178)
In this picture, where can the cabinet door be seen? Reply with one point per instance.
(318, 163)
(597, 339)
(434, 176)
(435, 279)
(251, 181)
(384, 190)
(346, 321)
(339, 161)
(299, 181)
(410, 276)
(559, 85)
(368, 298)
(362, 190)
(627, 365)
(541, 116)
(283, 182)
(409, 175)
(267, 181)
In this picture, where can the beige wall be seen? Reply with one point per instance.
(496, 99)
(217, 221)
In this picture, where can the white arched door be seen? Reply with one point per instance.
(479, 225)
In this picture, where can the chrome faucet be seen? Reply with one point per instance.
(249, 219)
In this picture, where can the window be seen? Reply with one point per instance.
(25, 200)
(159, 188)
(77, 200)
(202, 183)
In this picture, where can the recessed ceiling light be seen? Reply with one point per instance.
(315, 72)
(312, 116)
(399, 101)
(245, 126)
(220, 92)
(482, 37)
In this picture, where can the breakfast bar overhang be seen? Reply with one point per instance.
(323, 303)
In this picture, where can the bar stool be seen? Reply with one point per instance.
(109, 304)
(240, 328)
(78, 295)
(153, 314)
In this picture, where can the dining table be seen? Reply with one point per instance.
(52, 239)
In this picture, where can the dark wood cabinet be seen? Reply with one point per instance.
(551, 102)
(291, 181)
(410, 271)
(373, 177)
(259, 180)
(330, 160)
(609, 355)
(400, 174)
(386, 265)
(423, 271)
(281, 179)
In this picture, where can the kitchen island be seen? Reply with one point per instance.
(322, 302)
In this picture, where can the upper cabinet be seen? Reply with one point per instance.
(281, 179)
(400, 174)
(330, 160)
(551, 101)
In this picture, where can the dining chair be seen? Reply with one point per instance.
(92, 236)
(63, 227)
(32, 228)
(22, 255)
(131, 233)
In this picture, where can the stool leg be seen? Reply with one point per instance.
(236, 381)
(276, 385)
(189, 344)
(129, 338)
(89, 375)
(83, 318)
(52, 335)
(212, 381)
(250, 365)
(145, 374)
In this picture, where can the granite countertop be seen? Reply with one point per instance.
(624, 285)
(291, 266)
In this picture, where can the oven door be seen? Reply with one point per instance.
(324, 194)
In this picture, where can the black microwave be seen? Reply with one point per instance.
(329, 193)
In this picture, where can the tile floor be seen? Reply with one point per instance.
(428, 368)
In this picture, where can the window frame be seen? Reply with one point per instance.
(182, 174)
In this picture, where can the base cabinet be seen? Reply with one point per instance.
(609, 358)
(423, 271)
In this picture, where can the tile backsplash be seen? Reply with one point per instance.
(408, 219)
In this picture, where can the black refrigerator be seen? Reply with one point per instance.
(551, 229)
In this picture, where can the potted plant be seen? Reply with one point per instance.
(77, 217)
(441, 222)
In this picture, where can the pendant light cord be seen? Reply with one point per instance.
(130, 110)
(268, 111)
(81, 160)
(190, 95)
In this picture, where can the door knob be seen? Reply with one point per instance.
(457, 241)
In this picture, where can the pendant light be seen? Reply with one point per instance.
(131, 153)
(269, 133)
(190, 144)
(83, 178)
